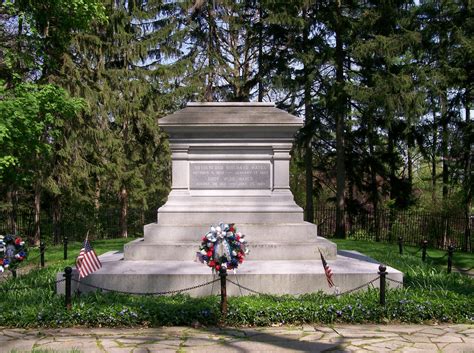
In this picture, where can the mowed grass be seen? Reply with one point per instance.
(431, 274)
(390, 252)
(54, 254)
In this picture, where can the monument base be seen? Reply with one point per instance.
(351, 270)
(283, 241)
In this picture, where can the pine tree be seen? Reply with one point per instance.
(120, 71)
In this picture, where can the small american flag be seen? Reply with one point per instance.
(327, 271)
(87, 262)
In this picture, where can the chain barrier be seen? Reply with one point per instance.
(31, 287)
(176, 291)
(464, 269)
(394, 280)
(412, 253)
(277, 298)
(254, 291)
(357, 288)
(436, 258)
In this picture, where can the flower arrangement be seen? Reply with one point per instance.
(12, 252)
(223, 248)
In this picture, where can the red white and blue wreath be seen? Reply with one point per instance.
(12, 252)
(223, 247)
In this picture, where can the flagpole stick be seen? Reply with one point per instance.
(223, 275)
(68, 276)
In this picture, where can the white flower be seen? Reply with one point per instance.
(203, 251)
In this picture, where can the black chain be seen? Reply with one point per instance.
(277, 298)
(148, 293)
(394, 281)
(464, 269)
(413, 253)
(29, 288)
(436, 258)
(356, 288)
(254, 291)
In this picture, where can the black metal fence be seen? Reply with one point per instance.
(438, 228)
(76, 223)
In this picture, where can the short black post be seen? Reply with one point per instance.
(14, 273)
(400, 245)
(383, 274)
(450, 257)
(424, 245)
(42, 248)
(68, 276)
(65, 247)
(223, 275)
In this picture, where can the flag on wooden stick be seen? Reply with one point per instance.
(327, 270)
(87, 262)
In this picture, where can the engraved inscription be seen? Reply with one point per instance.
(229, 176)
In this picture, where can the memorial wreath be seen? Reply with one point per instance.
(223, 247)
(12, 252)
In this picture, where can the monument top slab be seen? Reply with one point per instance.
(229, 114)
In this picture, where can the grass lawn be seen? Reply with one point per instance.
(390, 253)
(429, 295)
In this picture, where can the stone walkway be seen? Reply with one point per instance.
(340, 338)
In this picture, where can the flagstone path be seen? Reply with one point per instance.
(307, 338)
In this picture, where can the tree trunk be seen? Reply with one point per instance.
(434, 198)
(410, 166)
(208, 95)
(123, 212)
(339, 117)
(308, 152)
(56, 204)
(12, 201)
(467, 175)
(260, 53)
(444, 152)
(37, 207)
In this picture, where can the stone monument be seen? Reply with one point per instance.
(230, 163)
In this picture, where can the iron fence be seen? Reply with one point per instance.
(76, 223)
(440, 229)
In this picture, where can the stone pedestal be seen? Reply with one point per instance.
(230, 164)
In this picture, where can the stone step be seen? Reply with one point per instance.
(351, 269)
(186, 251)
(279, 232)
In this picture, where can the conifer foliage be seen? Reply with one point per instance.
(384, 87)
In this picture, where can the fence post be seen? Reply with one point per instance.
(42, 248)
(223, 275)
(424, 245)
(68, 276)
(400, 245)
(383, 274)
(65, 247)
(450, 257)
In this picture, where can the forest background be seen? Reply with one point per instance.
(385, 89)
